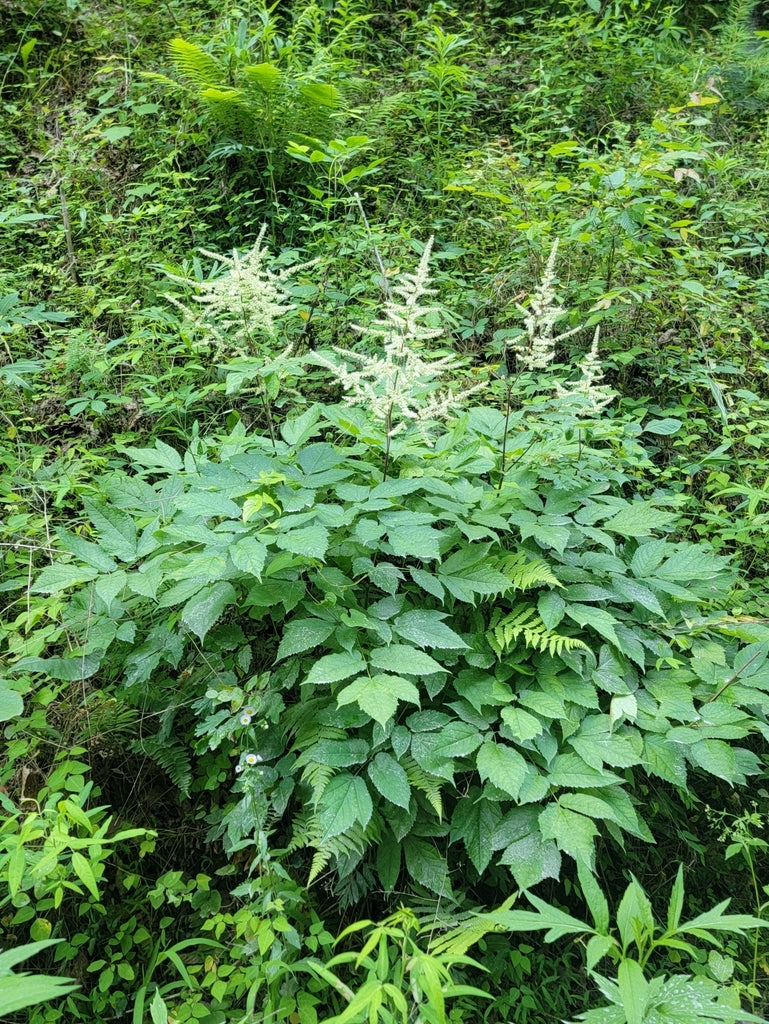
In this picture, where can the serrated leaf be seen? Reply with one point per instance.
(249, 555)
(415, 542)
(521, 724)
(345, 800)
(68, 669)
(205, 609)
(334, 667)
(635, 918)
(427, 629)
(378, 695)
(532, 859)
(86, 551)
(573, 833)
(389, 778)
(475, 820)
(337, 753)
(503, 766)
(117, 531)
(429, 583)
(426, 866)
(551, 607)
(402, 658)
(639, 519)
(634, 990)
(691, 562)
(598, 619)
(310, 541)
(302, 635)
(56, 578)
(716, 757)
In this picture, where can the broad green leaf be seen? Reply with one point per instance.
(716, 757)
(86, 551)
(595, 899)
(11, 703)
(435, 751)
(635, 919)
(296, 430)
(310, 541)
(18, 992)
(597, 948)
(692, 562)
(406, 659)
(664, 759)
(415, 542)
(647, 557)
(521, 724)
(475, 820)
(663, 427)
(551, 607)
(596, 745)
(426, 629)
(639, 519)
(634, 991)
(345, 800)
(56, 578)
(334, 667)
(158, 1009)
(426, 866)
(378, 695)
(337, 753)
(205, 504)
(84, 872)
(610, 804)
(249, 555)
(205, 609)
(16, 865)
(625, 706)
(554, 922)
(532, 859)
(598, 619)
(503, 766)
(302, 635)
(68, 669)
(573, 833)
(429, 583)
(390, 780)
(117, 532)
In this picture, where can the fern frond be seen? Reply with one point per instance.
(317, 776)
(173, 758)
(460, 938)
(353, 842)
(195, 65)
(427, 784)
(525, 572)
(524, 623)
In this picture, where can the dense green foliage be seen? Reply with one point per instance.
(383, 405)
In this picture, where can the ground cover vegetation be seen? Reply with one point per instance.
(383, 406)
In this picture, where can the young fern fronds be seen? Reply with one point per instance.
(525, 572)
(195, 65)
(173, 758)
(524, 623)
(317, 777)
(427, 784)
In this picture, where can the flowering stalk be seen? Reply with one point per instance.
(399, 386)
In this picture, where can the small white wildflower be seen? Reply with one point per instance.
(245, 719)
(238, 769)
(536, 349)
(249, 711)
(593, 396)
(399, 386)
(254, 759)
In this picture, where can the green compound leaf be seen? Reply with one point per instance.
(302, 635)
